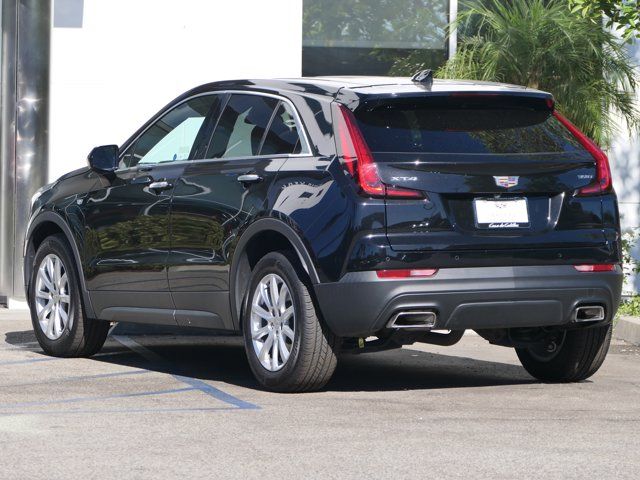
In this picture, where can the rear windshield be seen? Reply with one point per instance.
(470, 126)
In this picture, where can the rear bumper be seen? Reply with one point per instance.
(360, 304)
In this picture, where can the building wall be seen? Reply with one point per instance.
(624, 157)
(130, 58)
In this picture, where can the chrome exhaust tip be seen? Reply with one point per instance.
(413, 319)
(588, 313)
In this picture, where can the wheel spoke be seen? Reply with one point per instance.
(42, 294)
(274, 354)
(266, 346)
(273, 289)
(261, 332)
(284, 295)
(63, 285)
(286, 329)
(65, 298)
(284, 351)
(287, 314)
(50, 272)
(57, 321)
(261, 312)
(43, 275)
(51, 325)
(264, 296)
(45, 311)
(64, 316)
(57, 273)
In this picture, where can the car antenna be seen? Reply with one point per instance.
(424, 77)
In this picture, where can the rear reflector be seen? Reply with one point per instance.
(603, 172)
(600, 267)
(358, 160)
(408, 273)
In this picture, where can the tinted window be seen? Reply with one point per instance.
(449, 126)
(241, 127)
(283, 136)
(172, 137)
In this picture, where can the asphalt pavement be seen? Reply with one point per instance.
(168, 406)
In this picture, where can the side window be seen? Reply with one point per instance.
(241, 127)
(283, 136)
(171, 138)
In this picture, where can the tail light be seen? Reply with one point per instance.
(599, 267)
(358, 160)
(603, 172)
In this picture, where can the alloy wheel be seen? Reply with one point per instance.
(52, 297)
(272, 322)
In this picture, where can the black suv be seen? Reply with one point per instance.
(320, 216)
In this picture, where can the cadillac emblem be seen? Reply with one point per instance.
(506, 182)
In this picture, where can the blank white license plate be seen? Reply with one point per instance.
(501, 213)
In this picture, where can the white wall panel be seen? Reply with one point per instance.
(130, 57)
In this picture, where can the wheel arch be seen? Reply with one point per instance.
(42, 226)
(261, 237)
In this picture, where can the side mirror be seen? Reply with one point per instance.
(104, 159)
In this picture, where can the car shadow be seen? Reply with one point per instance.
(222, 359)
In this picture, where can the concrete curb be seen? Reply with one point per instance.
(627, 329)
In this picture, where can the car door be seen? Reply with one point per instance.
(218, 194)
(127, 219)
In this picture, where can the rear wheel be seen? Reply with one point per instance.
(569, 356)
(288, 347)
(57, 314)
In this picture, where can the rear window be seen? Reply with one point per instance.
(464, 126)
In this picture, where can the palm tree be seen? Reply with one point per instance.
(542, 44)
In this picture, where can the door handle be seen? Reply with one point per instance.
(249, 178)
(160, 186)
(145, 180)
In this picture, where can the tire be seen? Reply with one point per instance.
(77, 335)
(579, 355)
(311, 360)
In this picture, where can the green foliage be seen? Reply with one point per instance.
(630, 306)
(622, 15)
(629, 241)
(542, 44)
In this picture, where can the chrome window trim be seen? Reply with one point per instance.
(216, 160)
(306, 145)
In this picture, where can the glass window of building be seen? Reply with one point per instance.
(366, 37)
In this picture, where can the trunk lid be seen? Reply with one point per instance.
(497, 171)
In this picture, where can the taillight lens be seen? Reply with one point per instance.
(358, 159)
(599, 267)
(407, 273)
(603, 172)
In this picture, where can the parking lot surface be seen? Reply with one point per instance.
(167, 406)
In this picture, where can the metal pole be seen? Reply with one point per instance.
(453, 33)
(7, 144)
(32, 119)
(26, 32)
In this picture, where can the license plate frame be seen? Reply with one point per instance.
(501, 213)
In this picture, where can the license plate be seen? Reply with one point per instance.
(501, 213)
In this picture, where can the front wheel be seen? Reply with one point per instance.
(569, 356)
(57, 314)
(288, 347)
